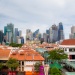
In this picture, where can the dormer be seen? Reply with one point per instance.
(13, 52)
(21, 52)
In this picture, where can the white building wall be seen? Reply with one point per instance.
(66, 50)
(27, 68)
(28, 65)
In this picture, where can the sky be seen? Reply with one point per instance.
(37, 14)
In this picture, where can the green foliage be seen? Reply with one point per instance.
(36, 66)
(1, 66)
(15, 45)
(12, 63)
(57, 54)
(55, 71)
(41, 41)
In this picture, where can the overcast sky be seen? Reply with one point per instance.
(37, 14)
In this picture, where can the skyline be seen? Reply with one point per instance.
(37, 14)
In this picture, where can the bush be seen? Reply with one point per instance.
(55, 71)
(36, 66)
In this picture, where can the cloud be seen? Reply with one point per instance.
(36, 14)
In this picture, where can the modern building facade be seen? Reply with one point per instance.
(12, 35)
(55, 33)
(45, 37)
(9, 32)
(72, 34)
(1, 36)
(29, 35)
(60, 32)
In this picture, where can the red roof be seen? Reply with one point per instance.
(27, 55)
(68, 42)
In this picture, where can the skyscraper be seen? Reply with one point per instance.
(60, 32)
(55, 33)
(1, 36)
(51, 35)
(9, 36)
(48, 33)
(72, 35)
(29, 35)
(73, 29)
(45, 37)
(36, 34)
(9, 32)
(5, 30)
(16, 34)
(22, 40)
(20, 33)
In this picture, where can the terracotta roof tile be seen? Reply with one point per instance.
(68, 42)
(27, 55)
(4, 53)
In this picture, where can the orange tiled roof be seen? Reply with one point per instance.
(27, 55)
(4, 53)
(68, 42)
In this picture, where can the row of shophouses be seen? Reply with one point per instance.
(27, 56)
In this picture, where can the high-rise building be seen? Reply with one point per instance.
(10, 32)
(16, 34)
(45, 37)
(60, 32)
(9, 36)
(20, 33)
(51, 35)
(5, 30)
(29, 35)
(1, 36)
(72, 35)
(73, 29)
(22, 40)
(36, 34)
(55, 33)
(48, 33)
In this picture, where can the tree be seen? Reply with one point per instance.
(12, 64)
(36, 66)
(15, 45)
(57, 54)
(1, 66)
(55, 71)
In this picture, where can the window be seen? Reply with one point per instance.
(22, 62)
(73, 56)
(65, 49)
(19, 68)
(72, 50)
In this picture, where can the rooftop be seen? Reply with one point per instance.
(68, 42)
